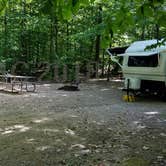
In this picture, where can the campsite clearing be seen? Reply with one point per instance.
(89, 127)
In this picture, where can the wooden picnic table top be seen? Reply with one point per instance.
(16, 76)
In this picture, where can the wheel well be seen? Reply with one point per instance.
(155, 86)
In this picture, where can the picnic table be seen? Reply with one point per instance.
(15, 83)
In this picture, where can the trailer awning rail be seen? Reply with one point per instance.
(139, 53)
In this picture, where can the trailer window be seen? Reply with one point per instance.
(143, 61)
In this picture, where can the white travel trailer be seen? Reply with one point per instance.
(144, 69)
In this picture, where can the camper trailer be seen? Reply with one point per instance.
(143, 69)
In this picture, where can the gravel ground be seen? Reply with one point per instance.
(90, 127)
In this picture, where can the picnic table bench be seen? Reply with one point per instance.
(15, 83)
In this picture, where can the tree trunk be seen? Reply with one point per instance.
(23, 41)
(143, 33)
(5, 34)
(103, 64)
(53, 44)
(98, 38)
(157, 30)
(109, 69)
(67, 35)
(53, 39)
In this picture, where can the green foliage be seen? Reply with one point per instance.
(2, 5)
(67, 30)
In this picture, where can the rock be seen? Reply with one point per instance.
(163, 134)
(160, 157)
(145, 148)
(84, 152)
(70, 132)
(77, 146)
